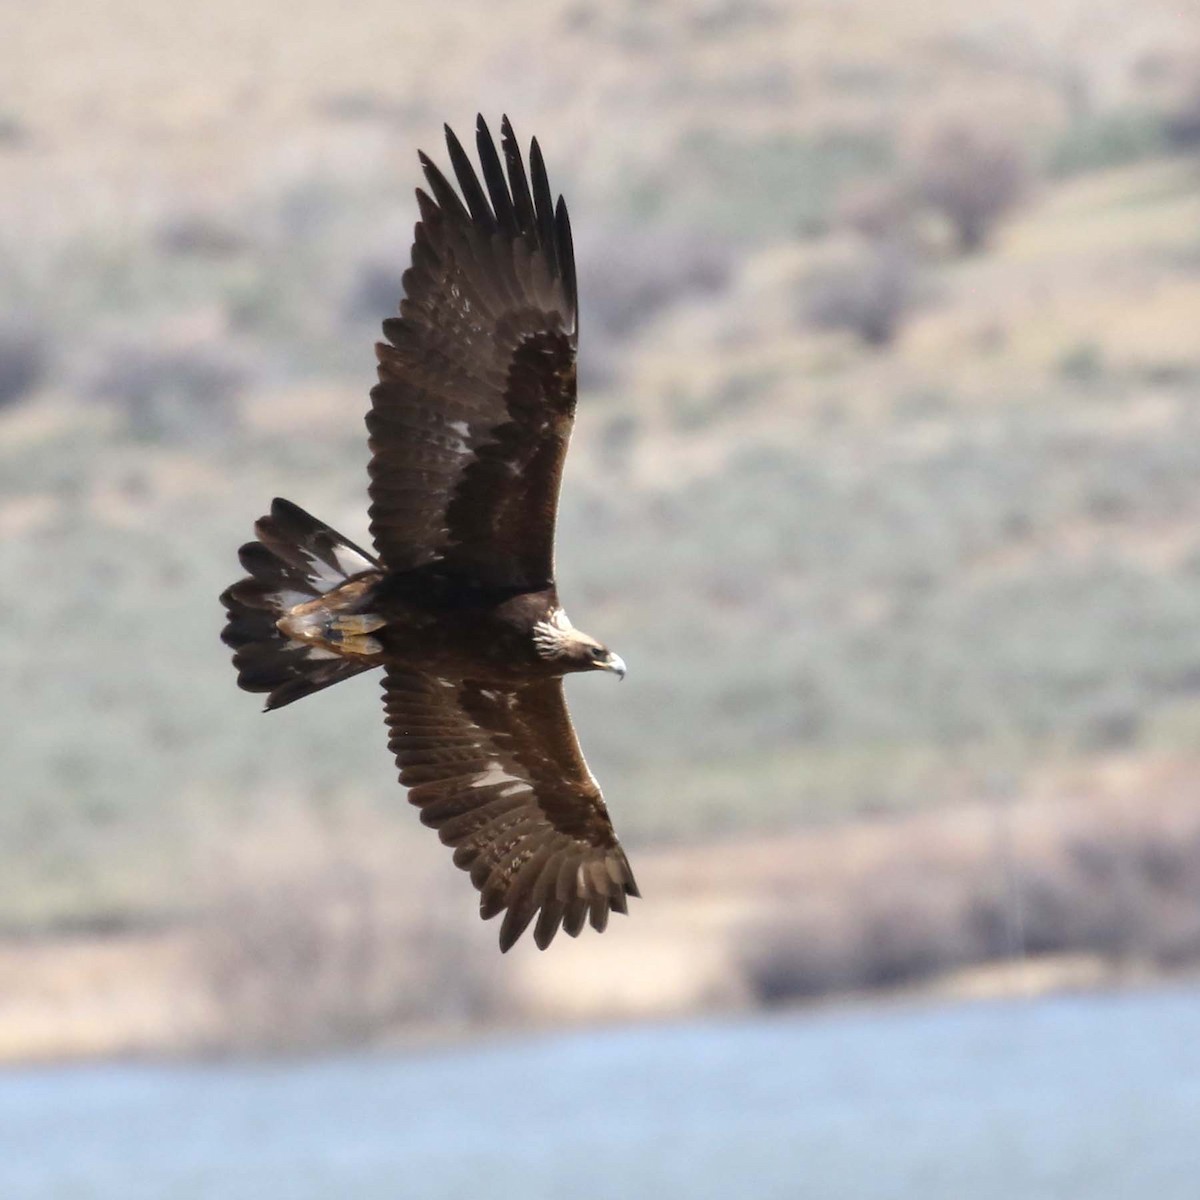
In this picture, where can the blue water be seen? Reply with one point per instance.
(1071, 1098)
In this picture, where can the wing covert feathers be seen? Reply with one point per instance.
(498, 773)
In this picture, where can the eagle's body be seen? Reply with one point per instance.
(423, 619)
(469, 426)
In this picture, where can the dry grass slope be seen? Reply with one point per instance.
(882, 527)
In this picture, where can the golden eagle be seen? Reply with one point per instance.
(469, 426)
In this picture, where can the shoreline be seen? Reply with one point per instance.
(343, 951)
(144, 1024)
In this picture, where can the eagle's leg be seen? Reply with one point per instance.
(325, 622)
(350, 633)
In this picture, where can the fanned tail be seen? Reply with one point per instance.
(295, 559)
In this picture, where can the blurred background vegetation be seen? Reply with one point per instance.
(886, 483)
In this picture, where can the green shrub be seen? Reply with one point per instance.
(1110, 139)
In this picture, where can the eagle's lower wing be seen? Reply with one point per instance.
(470, 420)
(498, 773)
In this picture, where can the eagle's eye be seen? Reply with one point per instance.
(599, 652)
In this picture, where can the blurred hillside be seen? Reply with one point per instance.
(886, 478)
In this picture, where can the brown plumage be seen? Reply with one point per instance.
(469, 426)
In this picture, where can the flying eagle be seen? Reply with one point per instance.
(469, 425)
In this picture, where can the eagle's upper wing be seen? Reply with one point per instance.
(498, 773)
(470, 419)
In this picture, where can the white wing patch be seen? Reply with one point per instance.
(350, 561)
(496, 775)
(461, 431)
(319, 652)
(322, 576)
(288, 599)
(325, 577)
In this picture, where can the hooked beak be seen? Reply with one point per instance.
(614, 663)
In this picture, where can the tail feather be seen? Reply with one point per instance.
(296, 558)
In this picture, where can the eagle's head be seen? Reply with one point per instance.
(557, 640)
